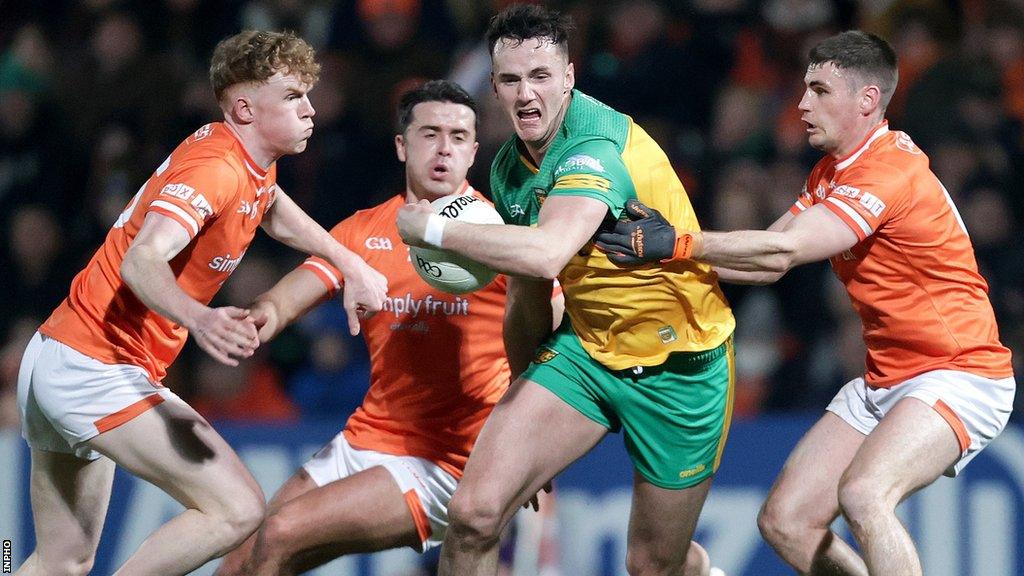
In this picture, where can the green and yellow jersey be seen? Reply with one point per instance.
(624, 317)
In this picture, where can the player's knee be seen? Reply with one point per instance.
(474, 520)
(774, 522)
(646, 561)
(242, 516)
(861, 499)
(275, 536)
(698, 563)
(78, 564)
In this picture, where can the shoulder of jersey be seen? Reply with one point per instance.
(384, 209)
(895, 154)
(214, 140)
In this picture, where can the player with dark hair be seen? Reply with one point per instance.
(646, 351)
(438, 368)
(938, 385)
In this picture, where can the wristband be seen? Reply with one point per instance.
(687, 244)
(435, 230)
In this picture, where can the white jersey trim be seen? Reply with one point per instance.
(327, 271)
(881, 131)
(864, 226)
(177, 210)
(253, 171)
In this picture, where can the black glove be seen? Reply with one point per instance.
(645, 237)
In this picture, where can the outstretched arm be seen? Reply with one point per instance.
(755, 278)
(755, 256)
(292, 296)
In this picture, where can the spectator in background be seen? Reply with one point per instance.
(250, 392)
(334, 379)
(395, 53)
(117, 79)
(254, 392)
(16, 338)
(36, 271)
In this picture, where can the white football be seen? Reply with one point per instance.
(446, 270)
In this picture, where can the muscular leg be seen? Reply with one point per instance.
(69, 503)
(531, 436)
(298, 484)
(802, 504)
(908, 450)
(365, 512)
(172, 447)
(661, 525)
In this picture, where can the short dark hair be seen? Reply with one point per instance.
(863, 53)
(433, 91)
(521, 22)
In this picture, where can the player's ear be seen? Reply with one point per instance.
(494, 86)
(241, 105)
(244, 109)
(870, 100)
(400, 147)
(570, 77)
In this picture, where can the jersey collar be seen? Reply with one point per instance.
(880, 130)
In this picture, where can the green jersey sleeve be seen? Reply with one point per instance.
(593, 168)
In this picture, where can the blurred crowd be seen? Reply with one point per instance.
(95, 93)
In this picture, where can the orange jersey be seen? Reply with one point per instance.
(912, 277)
(210, 186)
(438, 362)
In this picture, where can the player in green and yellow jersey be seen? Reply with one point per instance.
(645, 350)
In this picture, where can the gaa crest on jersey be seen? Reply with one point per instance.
(544, 355)
(541, 194)
(378, 243)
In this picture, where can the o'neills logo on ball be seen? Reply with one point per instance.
(454, 208)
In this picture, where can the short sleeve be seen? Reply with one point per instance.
(593, 168)
(194, 194)
(324, 270)
(864, 197)
(803, 201)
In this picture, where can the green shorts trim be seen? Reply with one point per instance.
(675, 417)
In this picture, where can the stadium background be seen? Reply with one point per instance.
(95, 93)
